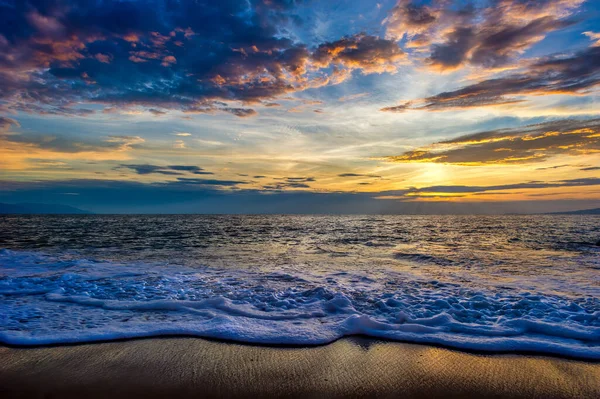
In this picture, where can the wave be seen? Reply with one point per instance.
(50, 299)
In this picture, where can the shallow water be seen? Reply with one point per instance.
(500, 283)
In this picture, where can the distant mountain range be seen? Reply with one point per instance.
(595, 211)
(31, 208)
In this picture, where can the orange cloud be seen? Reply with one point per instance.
(529, 144)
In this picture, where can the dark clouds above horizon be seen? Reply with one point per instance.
(188, 195)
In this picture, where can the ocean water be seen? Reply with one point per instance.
(492, 283)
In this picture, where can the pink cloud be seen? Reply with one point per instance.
(105, 58)
(168, 61)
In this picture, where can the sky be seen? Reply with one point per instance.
(301, 106)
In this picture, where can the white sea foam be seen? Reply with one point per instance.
(48, 299)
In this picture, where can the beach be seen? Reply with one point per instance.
(350, 367)
(113, 306)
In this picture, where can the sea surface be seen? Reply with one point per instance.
(491, 283)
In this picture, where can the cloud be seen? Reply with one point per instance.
(557, 74)
(43, 163)
(284, 186)
(48, 25)
(179, 144)
(496, 47)
(299, 179)
(398, 108)
(65, 143)
(594, 36)
(146, 169)
(590, 168)
(191, 56)
(241, 112)
(168, 61)
(352, 97)
(289, 183)
(357, 175)
(370, 54)
(208, 182)
(190, 168)
(410, 18)
(112, 196)
(488, 34)
(105, 58)
(124, 143)
(157, 112)
(7, 123)
(517, 186)
(24, 149)
(555, 167)
(528, 144)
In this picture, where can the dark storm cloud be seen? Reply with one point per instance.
(558, 74)
(146, 169)
(193, 56)
(532, 143)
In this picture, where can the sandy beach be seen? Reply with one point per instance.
(352, 367)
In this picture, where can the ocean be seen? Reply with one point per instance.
(488, 283)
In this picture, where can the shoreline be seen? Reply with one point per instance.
(349, 367)
(353, 337)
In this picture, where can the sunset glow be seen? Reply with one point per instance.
(107, 105)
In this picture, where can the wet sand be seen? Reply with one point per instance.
(352, 367)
